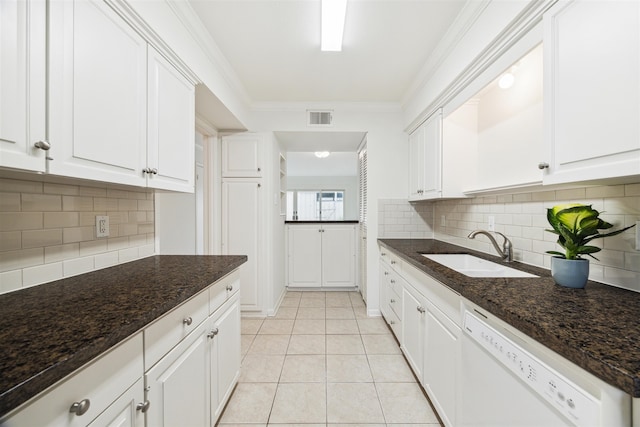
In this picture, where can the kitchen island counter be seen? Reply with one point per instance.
(49, 331)
(595, 328)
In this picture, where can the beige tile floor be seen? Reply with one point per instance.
(322, 362)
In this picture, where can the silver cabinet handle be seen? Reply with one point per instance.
(43, 145)
(383, 254)
(259, 169)
(229, 288)
(187, 321)
(392, 281)
(392, 301)
(386, 273)
(543, 165)
(154, 171)
(420, 309)
(143, 406)
(213, 333)
(146, 170)
(392, 322)
(80, 408)
(393, 262)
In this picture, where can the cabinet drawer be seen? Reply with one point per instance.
(394, 322)
(395, 303)
(223, 289)
(395, 285)
(100, 382)
(162, 335)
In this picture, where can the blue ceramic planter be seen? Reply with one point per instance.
(571, 273)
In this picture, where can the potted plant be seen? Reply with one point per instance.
(576, 225)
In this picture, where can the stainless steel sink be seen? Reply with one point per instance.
(473, 266)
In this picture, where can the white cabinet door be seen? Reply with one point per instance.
(22, 83)
(425, 160)
(416, 164)
(242, 231)
(592, 101)
(413, 320)
(440, 366)
(178, 385)
(124, 411)
(225, 355)
(171, 126)
(97, 94)
(242, 156)
(338, 255)
(305, 255)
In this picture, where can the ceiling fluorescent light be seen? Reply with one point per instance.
(322, 154)
(333, 14)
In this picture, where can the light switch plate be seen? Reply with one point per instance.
(102, 226)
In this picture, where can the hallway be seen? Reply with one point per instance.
(321, 362)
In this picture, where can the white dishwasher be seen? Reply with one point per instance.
(507, 379)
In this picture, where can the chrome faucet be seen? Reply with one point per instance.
(507, 248)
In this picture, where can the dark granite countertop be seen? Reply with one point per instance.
(597, 327)
(50, 330)
(346, 221)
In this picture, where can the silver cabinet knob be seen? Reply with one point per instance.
(386, 273)
(80, 408)
(187, 321)
(383, 254)
(229, 288)
(146, 170)
(420, 309)
(392, 301)
(143, 406)
(213, 333)
(543, 165)
(393, 262)
(154, 171)
(259, 169)
(392, 281)
(43, 145)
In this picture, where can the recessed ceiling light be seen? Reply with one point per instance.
(333, 14)
(321, 154)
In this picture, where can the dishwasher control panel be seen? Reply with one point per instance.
(574, 403)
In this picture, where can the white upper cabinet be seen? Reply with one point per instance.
(22, 83)
(592, 101)
(118, 111)
(436, 169)
(98, 88)
(171, 126)
(242, 156)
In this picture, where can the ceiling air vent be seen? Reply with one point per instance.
(319, 118)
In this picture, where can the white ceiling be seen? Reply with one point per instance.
(307, 164)
(320, 141)
(273, 46)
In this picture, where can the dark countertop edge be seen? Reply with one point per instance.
(49, 376)
(349, 221)
(410, 249)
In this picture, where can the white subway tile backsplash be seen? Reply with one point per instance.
(41, 274)
(571, 194)
(129, 254)
(10, 281)
(48, 229)
(9, 202)
(632, 190)
(39, 238)
(77, 266)
(604, 191)
(11, 221)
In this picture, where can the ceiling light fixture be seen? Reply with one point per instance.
(508, 79)
(321, 154)
(333, 14)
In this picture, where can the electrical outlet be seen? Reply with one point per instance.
(443, 221)
(102, 226)
(637, 235)
(492, 223)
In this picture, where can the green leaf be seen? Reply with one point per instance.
(560, 254)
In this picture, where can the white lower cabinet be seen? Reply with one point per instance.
(106, 392)
(424, 315)
(191, 384)
(321, 255)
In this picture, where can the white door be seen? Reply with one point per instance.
(225, 355)
(242, 229)
(242, 156)
(171, 126)
(413, 319)
(338, 255)
(178, 385)
(433, 156)
(305, 255)
(123, 412)
(592, 101)
(22, 83)
(97, 94)
(440, 366)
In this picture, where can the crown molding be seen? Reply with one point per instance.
(377, 107)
